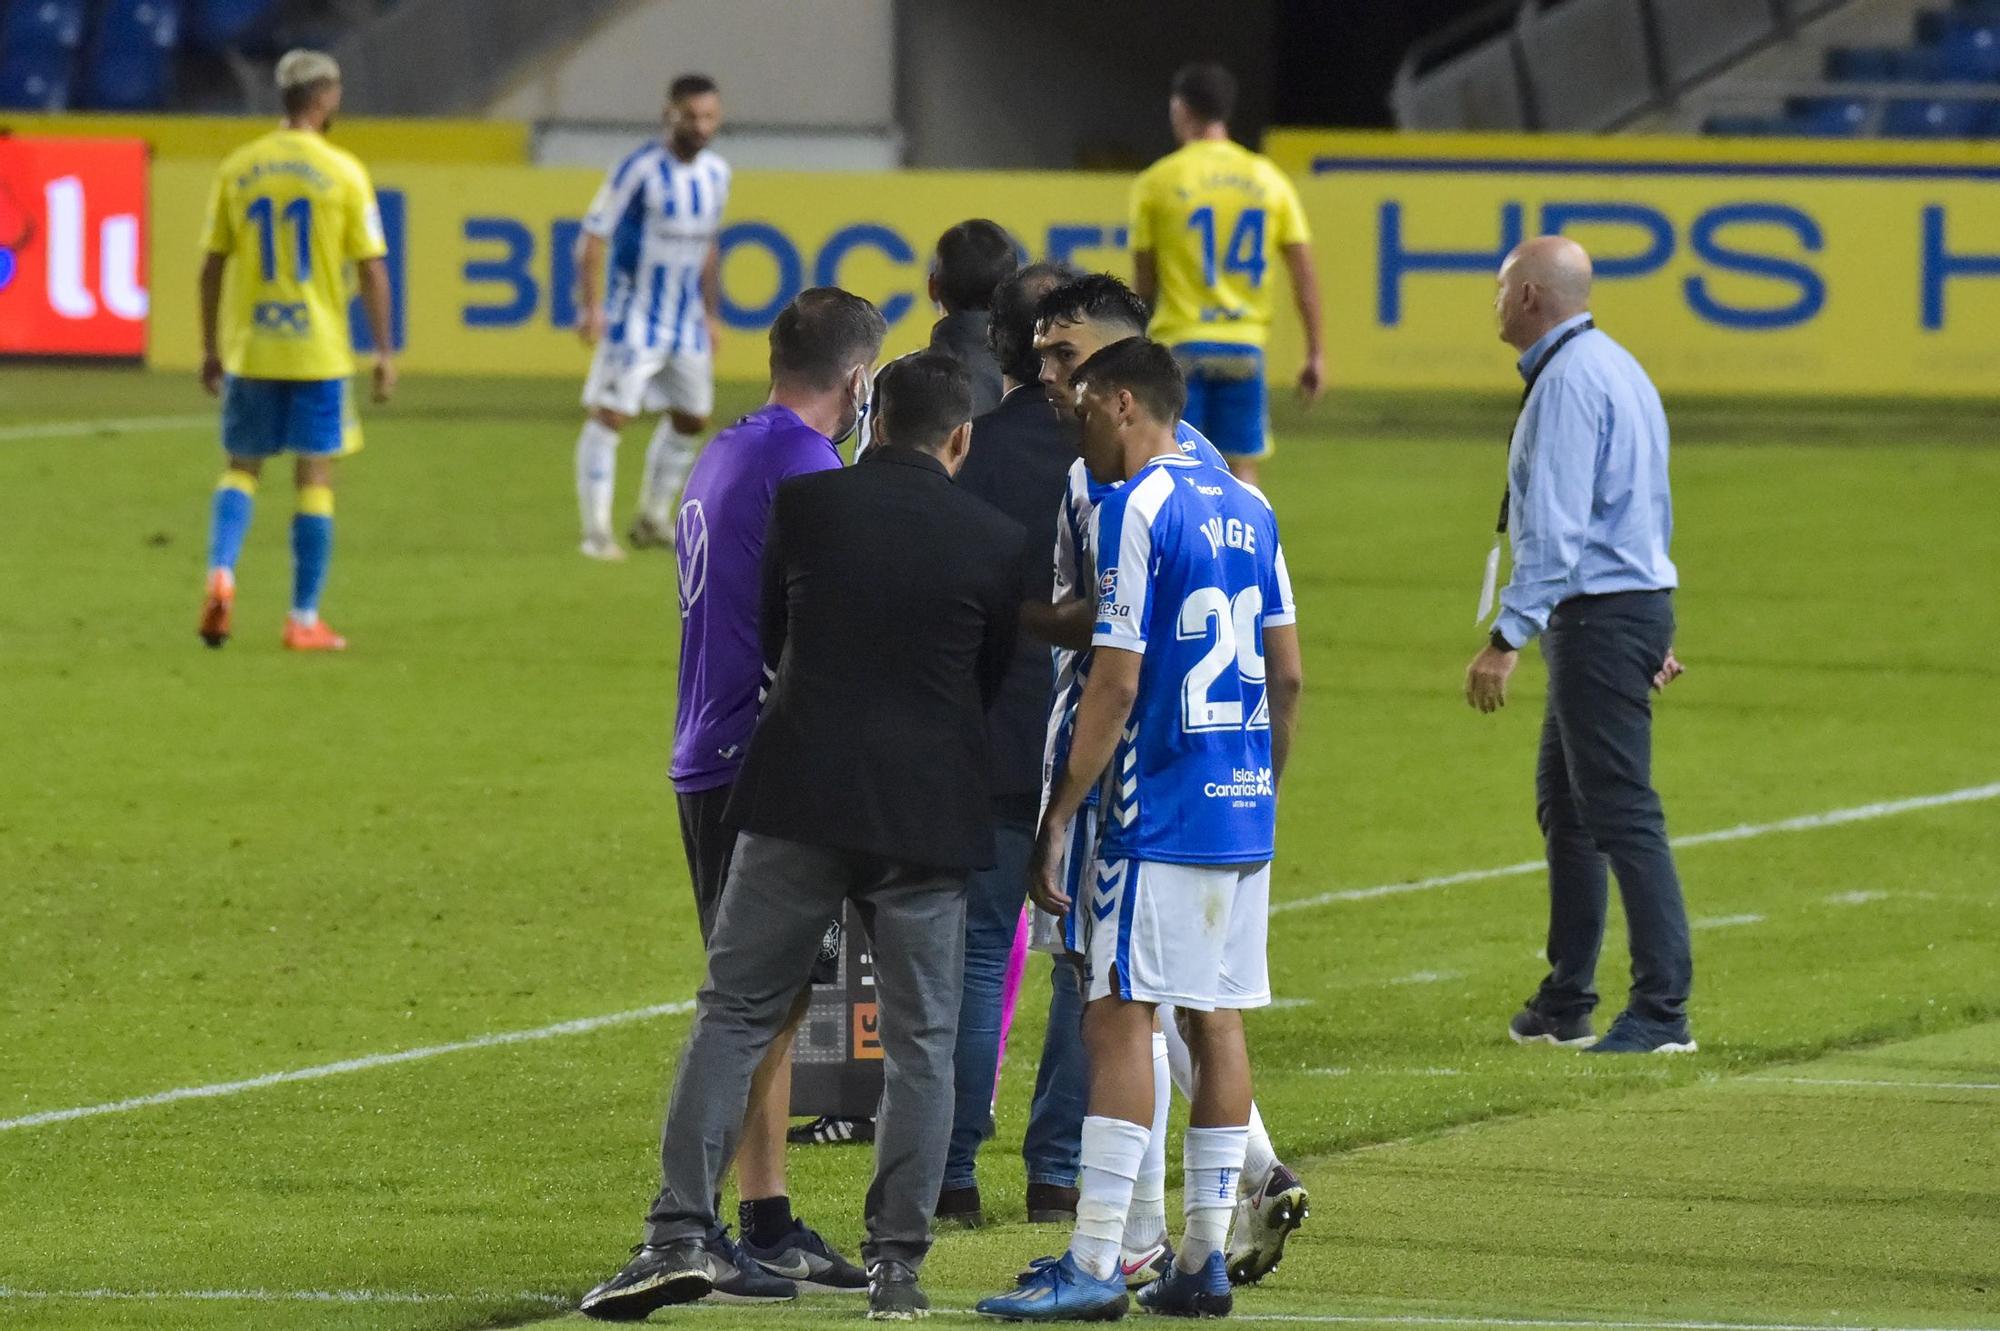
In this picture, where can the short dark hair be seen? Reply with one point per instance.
(1010, 333)
(921, 398)
(691, 85)
(300, 97)
(822, 334)
(1208, 90)
(1145, 369)
(972, 258)
(1094, 297)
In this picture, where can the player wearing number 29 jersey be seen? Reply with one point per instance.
(1190, 575)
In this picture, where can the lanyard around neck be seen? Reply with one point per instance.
(1534, 377)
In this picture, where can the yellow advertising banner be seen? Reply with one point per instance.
(1727, 266)
(483, 266)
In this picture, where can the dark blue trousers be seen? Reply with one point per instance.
(1596, 804)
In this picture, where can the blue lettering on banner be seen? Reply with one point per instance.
(1703, 239)
(394, 207)
(510, 270)
(791, 272)
(866, 235)
(1941, 265)
(1557, 218)
(1393, 261)
(563, 234)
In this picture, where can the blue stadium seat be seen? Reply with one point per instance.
(1934, 118)
(1970, 54)
(217, 25)
(1864, 64)
(1829, 116)
(38, 44)
(131, 65)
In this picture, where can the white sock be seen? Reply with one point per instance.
(596, 474)
(1179, 1061)
(1146, 1222)
(305, 619)
(669, 456)
(1211, 1159)
(1259, 1159)
(1112, 1150)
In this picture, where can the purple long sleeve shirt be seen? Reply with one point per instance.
(719, 548)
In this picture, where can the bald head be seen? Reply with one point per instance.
(1543, 282)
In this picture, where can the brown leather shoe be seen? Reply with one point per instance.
(960, 1206)
(1050, 1205)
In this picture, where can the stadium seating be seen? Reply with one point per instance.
(38, 52)
(131, 65)
(1950, 49)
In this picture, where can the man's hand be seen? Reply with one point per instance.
(1670, 671)
(590, 325)
(211, 374)
(385, 379)
(1486, 678)
(1312, 379)
(1043, 888)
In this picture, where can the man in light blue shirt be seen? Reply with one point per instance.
(1590, 516)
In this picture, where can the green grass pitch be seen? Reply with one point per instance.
(221, 865)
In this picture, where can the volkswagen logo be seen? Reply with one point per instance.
(691, 553)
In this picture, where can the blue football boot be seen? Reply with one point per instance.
(1060, 1292)
(1203, 1293)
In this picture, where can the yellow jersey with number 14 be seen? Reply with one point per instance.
(1215, 215)
(292, 213)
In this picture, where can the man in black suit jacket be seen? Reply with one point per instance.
(889, 619)
(972, 259)
(1022, 451)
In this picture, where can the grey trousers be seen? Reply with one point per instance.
(774, 911)
(1596, 804)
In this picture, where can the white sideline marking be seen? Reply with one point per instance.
(1869, 1081)
(1581, 1324)
(1807, 822)
(1859, 813)
(85, 429)
(581, 1026)
(1304, 1319)
(278, 1296)
(1427, 977)
(1724, 921)
(1855, 898)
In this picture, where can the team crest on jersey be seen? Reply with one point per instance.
(1107, 596)
(1107, 586)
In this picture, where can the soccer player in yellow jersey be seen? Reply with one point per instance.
(288, 216)
(1207, 221)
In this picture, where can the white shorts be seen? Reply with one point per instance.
(1057, 934)
(629, 380)
(1191, 935)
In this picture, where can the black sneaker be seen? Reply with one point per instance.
(893, 1295)
(803, 1256)
(1636, 1035)
(960, 1206)
(1531, 1027)
(826, 1130)
(655, 1277)
(740, 1278)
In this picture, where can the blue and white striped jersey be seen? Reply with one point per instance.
(661, 216)
(1076, 562)
(1190, 573)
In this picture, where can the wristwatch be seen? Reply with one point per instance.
(1500, 644)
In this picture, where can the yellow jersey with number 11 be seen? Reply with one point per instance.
(1216, 216)
(292, 213)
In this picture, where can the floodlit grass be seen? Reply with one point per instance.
(225, 864)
